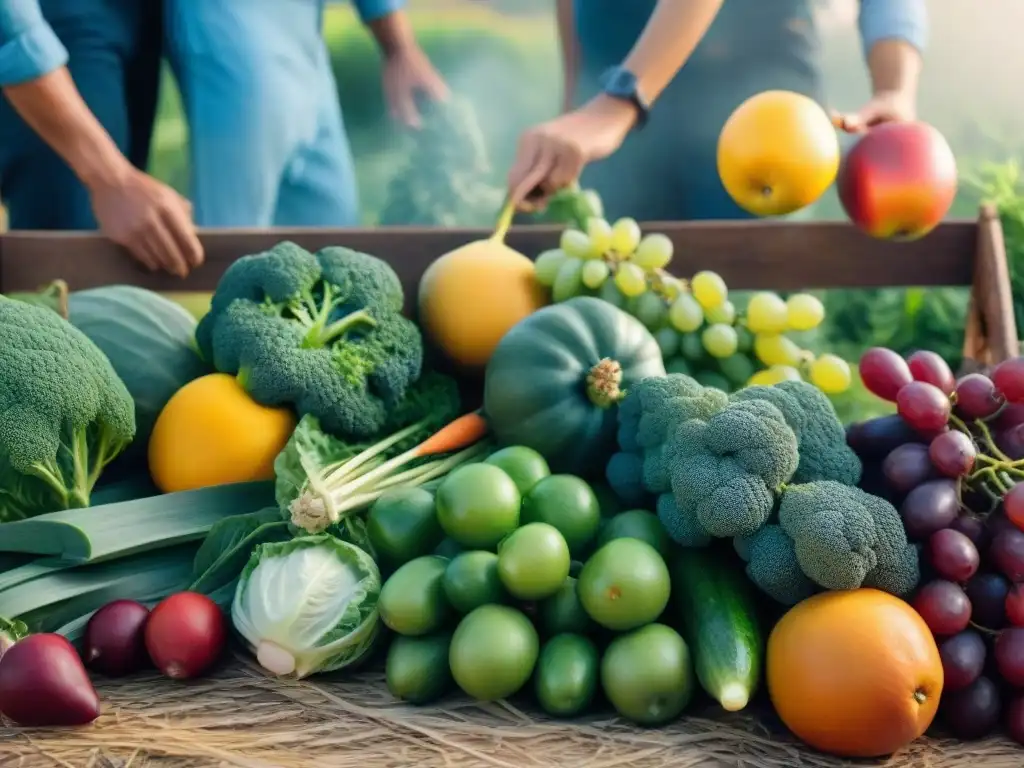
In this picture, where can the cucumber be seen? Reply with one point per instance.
(719, 616)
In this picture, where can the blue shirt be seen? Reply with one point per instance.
(29, 48)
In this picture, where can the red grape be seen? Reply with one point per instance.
(1011, 415)
(1015, 718)
(976, 397)
(1013, 505)
(1009, 379)
(953, 555)
(963, 659)
(973, 527)
(876, 438)
(923, 406)
(972, 712)
(929, 507)
(953, 453)
(1009, 655)
(1011, 442)
(930, 367)
(884, 372)
(998, 522)
(1015, 605)
(944, 607)
(987, 594)
(1007, 553)
(908, 466)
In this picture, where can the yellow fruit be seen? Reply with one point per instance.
(777, 153)
(212, 433)
(776, 349)
(470, 297)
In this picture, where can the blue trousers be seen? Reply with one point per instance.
(267, 140)
(114, 58)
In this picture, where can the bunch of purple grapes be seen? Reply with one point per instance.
(952, 461)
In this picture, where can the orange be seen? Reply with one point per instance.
(854, 673)
(211, 432)
(777, 153)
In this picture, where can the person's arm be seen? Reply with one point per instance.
(565, 17)
(894, 34)
(390, 29)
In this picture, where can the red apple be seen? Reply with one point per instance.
(898, 181)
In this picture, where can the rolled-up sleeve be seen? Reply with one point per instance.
(371, 10)
(905, 20)
(29, 48)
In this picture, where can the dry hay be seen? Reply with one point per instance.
(239, 717)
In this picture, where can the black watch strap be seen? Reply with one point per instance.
(620, 83)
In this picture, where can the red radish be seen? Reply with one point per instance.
(115, 639)
(43, 683)
(185, 635)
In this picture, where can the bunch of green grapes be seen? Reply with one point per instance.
(698, 328)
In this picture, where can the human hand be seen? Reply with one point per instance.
(883, 107)
(552, 155)
(150, 219)
(407, 73)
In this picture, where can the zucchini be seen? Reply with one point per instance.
(719, 617)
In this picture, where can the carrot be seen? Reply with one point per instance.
(454, 436)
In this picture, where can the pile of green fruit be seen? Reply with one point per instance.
(508, 577)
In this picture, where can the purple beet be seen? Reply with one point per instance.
(43, 683)
(115, 639)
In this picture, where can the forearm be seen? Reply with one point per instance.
(53, 108)
(565, 16)
(894, 34)
(671, 35)
(390, 28)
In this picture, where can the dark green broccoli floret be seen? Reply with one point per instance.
(900, 577)
(64, 413)
(842, 534)
(824, 454)
(681, 525)
(323, 333)
(725, 471)
(773, 566)
(678, 398)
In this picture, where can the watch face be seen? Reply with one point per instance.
(620, 82)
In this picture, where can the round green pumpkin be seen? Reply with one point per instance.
(555, 379)
(149, 340)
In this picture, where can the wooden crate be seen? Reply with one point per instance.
(781, 256)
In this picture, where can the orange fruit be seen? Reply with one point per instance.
(777, 153)
(854, 673)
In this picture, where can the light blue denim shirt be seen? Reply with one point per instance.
(30, 49)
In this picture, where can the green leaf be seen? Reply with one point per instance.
(229, 545)
(11, 631)
(227, 533)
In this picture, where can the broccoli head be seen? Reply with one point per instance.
(64, 413)
(680, 524)
(773, 566)
(726, 470)
(844, 537)
(323, 333)
(824, 453)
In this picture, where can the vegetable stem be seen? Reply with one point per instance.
(501, 229)
(604, 382)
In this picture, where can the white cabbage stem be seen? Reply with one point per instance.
(275, 659)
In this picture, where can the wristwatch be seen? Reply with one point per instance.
(620, 83)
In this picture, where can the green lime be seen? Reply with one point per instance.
(533, 561)
(524, 465)
(563, 612)
(567, 674)
(647, 675)
(636, 524)
(493, 652)
(412, 600)
(402, 525)
(478, 505)
(569, 504)
(448, 548)
(472, 580)
(416, 669)
(624, 585)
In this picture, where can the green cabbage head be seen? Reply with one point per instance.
(308, 605)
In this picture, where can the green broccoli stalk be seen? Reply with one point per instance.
(66, 414)
(322, 333)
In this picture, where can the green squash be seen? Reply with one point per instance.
(150, 341)
(554, 380)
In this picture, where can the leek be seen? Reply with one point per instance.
(53, 594)
(127, 527)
